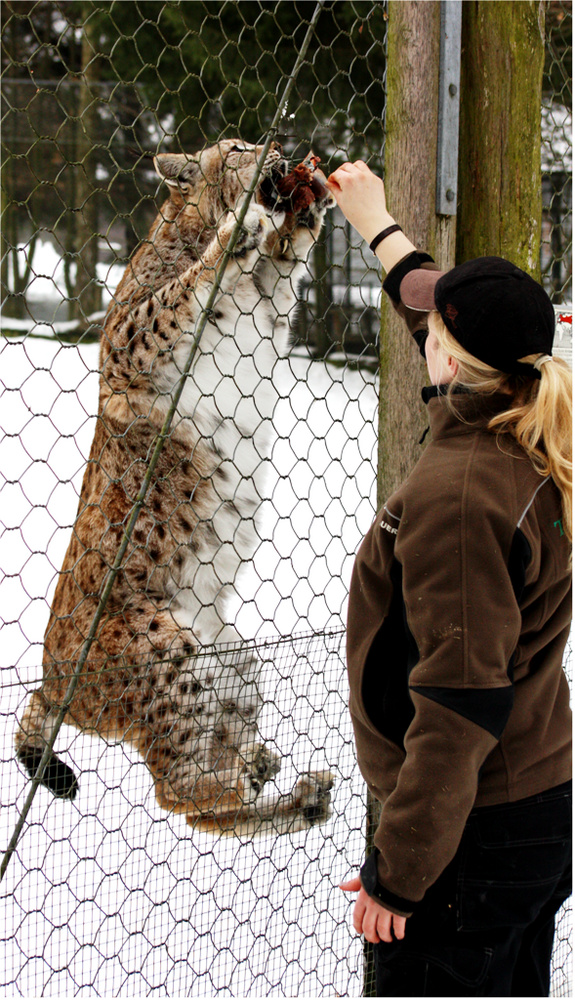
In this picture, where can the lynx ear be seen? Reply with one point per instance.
(177, 169)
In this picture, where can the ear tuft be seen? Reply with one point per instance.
(176, 169)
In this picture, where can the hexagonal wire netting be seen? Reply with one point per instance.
(107, 893)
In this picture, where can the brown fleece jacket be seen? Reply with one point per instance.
(458, 617)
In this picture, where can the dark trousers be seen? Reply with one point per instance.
(486, 927)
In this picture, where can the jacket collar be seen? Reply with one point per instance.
(464, 412)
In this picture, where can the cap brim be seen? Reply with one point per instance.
(417, 289)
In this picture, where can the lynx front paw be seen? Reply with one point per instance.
(312, 796)
(261, 765)
(252, 232)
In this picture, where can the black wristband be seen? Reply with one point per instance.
(381, 236)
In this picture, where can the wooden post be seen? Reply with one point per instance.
(410, 178)
(503, 52)
(87, 292)
(410, 183)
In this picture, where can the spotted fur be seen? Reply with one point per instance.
(148, 679)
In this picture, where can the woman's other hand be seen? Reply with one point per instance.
(373, 920)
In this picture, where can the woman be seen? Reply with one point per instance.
(458, 617)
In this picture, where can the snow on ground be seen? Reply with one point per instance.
(108, 895)
(46, 295)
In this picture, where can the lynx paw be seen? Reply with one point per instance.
(252, 232)
(312, 796)
(261, 765)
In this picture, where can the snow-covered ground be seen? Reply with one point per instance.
(108, 895)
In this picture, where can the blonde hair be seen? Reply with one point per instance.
(539, 412)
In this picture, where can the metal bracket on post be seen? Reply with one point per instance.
(448, 119)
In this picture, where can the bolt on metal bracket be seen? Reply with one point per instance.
(448, 118)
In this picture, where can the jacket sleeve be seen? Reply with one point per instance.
(416, 321)
(463, 614)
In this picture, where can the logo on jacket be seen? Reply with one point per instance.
(387, 527)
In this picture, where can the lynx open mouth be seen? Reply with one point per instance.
(295, 189)
(269, 195)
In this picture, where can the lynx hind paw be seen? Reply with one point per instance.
(261, 765)
(252, 232)
(312, 796)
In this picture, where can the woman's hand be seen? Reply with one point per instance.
(361, 196)
(371, 919)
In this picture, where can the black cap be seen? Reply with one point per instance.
(496, 311)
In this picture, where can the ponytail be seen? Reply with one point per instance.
(539, 414)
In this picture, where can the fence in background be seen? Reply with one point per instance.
(108, 894)
(556, 156)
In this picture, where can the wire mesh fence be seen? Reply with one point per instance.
(557, 232)
(263, 487)
(111, 894)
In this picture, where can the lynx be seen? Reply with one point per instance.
(192, 717)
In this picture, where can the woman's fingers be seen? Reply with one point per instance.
(398, 924)
(369, 926)
(360, 195)
(345, 173)
(384, 925)
(353, 886)
(372, 920)
(359, 911)
(377, 924)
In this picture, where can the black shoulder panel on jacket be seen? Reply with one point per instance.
(486, 707)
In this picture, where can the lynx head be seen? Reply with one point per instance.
(216, 179)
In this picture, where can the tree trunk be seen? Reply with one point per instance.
(88, 293)
(12, 304)
(410, 180)
(9, 307)
(500, 204)
(410, 177)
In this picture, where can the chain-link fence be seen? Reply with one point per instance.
(556, 160)
(262, 453)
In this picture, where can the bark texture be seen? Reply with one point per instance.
(503, 52)
(410, 177)
(410, 159)
(87, 292)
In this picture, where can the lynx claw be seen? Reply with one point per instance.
(252, 231)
